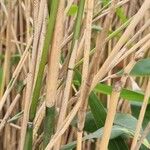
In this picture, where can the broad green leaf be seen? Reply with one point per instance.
(125, 93)
(116, 131)
(106, 89)
(100, 113)
(142, 68)
(73, 10)
(97, 109)
(124, 120)
(90, 125)
(99, 118)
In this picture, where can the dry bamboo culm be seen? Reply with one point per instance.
(74, 74)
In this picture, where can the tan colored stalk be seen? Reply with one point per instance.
(9, 111)
(107, 11)
(21, 25)
(15, 75)
(38, 119)
(53, 62)
(27, 16)
(109, 73)
(31, 74)
(64, 126)
(119, 58)
(146, 25)
(54, 58)
(66, 123)
(12, 28)
(67, 89)
(87, 46)
(143, 136)
(113, 106)
(99, 49)
(110, 116)
(134, 48)
(6, 68)
(141, 117)
(136, 19)
(41, 39)
(80, 48)
(39, 23)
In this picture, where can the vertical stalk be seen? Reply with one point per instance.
(113, 103)
(38, 82)
(48, 124)
(76, 34)
(70, 63)
(85, 71)
(53, 72)
(141, 117)
(126, 35)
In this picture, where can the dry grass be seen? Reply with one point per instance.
(42, 50)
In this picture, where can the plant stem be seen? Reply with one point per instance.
(38, 83)
(53, 73)
(70, 63)
(48, 124)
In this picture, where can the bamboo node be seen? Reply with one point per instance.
(70, 68)
(117, 86)
(30, 124)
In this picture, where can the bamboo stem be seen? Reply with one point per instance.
(141, 117)
(38, 82)
(87, 45)
(72, 56)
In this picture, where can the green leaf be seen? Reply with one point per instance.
(125, 93)
(124, 120)
(121, 14)
(89, 126)
(16, 117)
(73, 10)
(142, 68)
(106, 89)
(116, 131)
(124, 124)
(97, 110)
(105, 2)
(100, 113)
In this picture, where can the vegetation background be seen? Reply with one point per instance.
(74, 74)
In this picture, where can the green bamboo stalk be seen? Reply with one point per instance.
(29, 136)
(48, 124)
(55, 54)
(78, 21)
(49, 2)
(38, 83)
